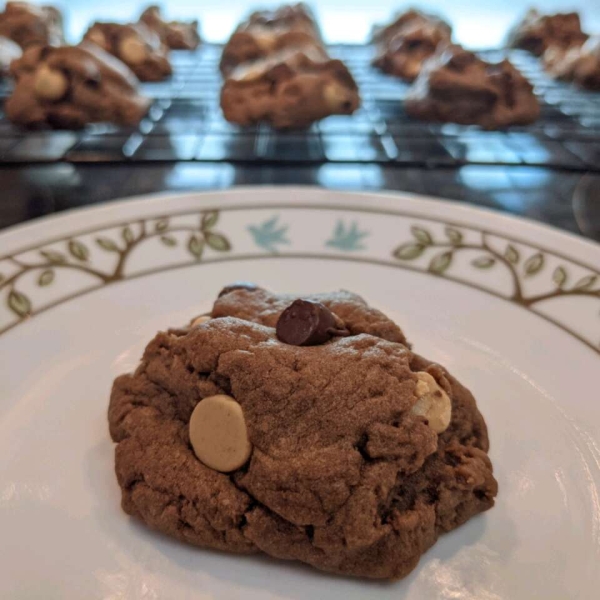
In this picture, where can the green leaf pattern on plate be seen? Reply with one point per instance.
(196, 246)
(209, 219)
(421, 235)
(79, 250)
(409, 251)
(19, 303)
(512, 254)
(53, 257)
(217, 241)
(440, 263)
(560, 276)
(127, 235)
(46, 278)
(484, 262)
(107, 244)
(586, 282)
(454, 235)
(162, 225)
(79, 257)
(533, 265)
(445, 250)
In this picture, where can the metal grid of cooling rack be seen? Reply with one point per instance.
(185, 124)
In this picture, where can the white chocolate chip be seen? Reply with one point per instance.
(50, 84)
(218, 434)
(433, 403)
(201, 320)
(133, 50)
(266, 41)
(336, 96)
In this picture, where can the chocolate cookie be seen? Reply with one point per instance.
(140, 48)
(578, 64)
(176, 35)
(70, 86)
(9, 51)
(292, 89)
(537, 32)
(403, 48)
(269, 32)
(352, 456)
(456, 86)
(28, 24)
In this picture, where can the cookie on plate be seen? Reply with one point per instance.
(289, 90)
(140, 48)
(305, 429)
(70, 86)
(9, 51)
(537, 32)
(28, 24)
(176, 35)
(456, 86)
(578, 64)
(268, 32)
(404, 45)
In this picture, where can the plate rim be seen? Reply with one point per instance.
(395, 195)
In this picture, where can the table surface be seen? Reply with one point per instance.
(185, 144)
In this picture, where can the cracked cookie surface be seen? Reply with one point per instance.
(405, 44)
(28, 24)
(343, 475)
(537, 32)
(176, 35)
(289, 90)
(456, 86)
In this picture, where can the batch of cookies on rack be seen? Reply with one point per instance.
(276, 68)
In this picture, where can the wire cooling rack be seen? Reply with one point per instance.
(186, 124)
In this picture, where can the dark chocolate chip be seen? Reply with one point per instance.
(238, 285)
(306, 323)
(93, 82)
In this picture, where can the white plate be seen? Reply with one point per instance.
(520, 326)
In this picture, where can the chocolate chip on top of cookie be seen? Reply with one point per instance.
(307, 323)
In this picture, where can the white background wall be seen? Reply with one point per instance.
(480, 23)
